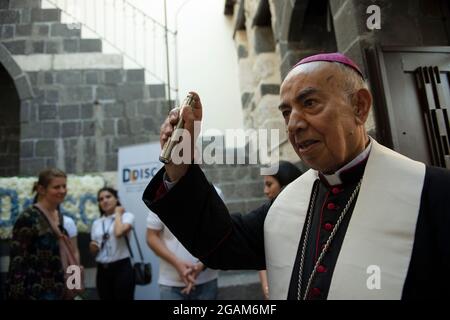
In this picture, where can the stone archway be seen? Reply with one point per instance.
(15, 91)
(304, 28)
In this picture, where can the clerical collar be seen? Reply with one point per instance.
(351, 171)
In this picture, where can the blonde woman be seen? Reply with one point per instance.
(36, 270)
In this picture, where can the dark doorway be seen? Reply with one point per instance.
(412, 101)
(9, 125)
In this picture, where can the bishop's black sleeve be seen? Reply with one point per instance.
(197, 216)
(431, 250)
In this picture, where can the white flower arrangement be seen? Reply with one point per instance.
(80, 203)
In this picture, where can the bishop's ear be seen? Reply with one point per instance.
(362, 102)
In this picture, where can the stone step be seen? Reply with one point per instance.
(131, 92)
(82, 45)
(100, 86)
(9, 16)
(45, 15)
(117, 95)
(157, 91)
(88, 77)
(53, 46)
(74, 61)
(64, 30)
(22, 4)
(44, 31)
(105, 77)
(116, 76)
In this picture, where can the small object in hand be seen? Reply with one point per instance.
(166, 153)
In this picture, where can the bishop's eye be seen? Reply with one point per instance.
(309, 103)
(286, 113)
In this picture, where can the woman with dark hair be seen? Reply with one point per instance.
(36, 267)
(115, 278)
(287, 172)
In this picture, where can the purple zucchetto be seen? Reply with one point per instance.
(331, 57)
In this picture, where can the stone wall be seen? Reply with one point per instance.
(259, 67)
(84, 105)
(294, 29)
(403, 23)
(84, 116)
(268, 42)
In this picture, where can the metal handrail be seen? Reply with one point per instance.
(148, 17)
(79, 15)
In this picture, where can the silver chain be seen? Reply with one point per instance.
(300, 272)
(327, 244)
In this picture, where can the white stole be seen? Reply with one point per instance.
(380, 233)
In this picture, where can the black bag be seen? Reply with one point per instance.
(142, 271)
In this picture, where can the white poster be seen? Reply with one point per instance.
(137, 166)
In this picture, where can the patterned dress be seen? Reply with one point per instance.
(35, 269)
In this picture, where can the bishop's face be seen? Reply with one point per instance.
(321, 121)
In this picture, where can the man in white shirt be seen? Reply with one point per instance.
(181, 275)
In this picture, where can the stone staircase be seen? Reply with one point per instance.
(29, 29)
(44, 34)
(85, 104)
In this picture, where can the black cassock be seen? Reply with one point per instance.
(197, 216)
